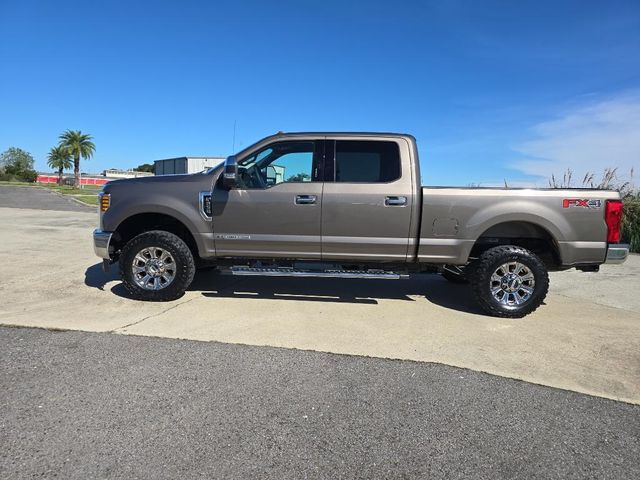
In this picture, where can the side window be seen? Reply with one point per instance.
(283, 162)
(367, 161)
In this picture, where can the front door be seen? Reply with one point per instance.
(275, 211)
(367, 200)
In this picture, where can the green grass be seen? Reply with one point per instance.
(631, 221)
(66, 190)
(87, 199)
(87, 195)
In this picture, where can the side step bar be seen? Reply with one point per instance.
(292, 272)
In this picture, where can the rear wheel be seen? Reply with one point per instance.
(509, 281)
(157, 266)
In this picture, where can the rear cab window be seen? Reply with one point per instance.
(366, 161)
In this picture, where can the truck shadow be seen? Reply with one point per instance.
(431, 286)
(95, 277)
(213, 285)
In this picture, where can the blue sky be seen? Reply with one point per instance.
(491, 89)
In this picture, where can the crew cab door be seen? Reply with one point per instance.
(275, 210)
(368, 199)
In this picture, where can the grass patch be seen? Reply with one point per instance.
(631, 221)
(87, 199)
(66, 190)
(87, 195)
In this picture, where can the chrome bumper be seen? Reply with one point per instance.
(617, 253)
(101, 242)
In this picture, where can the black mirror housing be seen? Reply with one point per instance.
(230, 173)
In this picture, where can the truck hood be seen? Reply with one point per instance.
(142, 182)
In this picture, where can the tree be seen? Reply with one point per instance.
(80, 146)
(16, 159)
(145, 167)
(16, 164)
(59, 158)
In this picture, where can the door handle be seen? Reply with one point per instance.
(395, 201)
(305, 199)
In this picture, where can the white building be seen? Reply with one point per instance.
(115, 173)
(172, 166)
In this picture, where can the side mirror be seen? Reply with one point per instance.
(230, 173)
(272, 176)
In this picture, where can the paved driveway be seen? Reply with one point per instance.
(35, 197)
(78, 405)
(579, 340)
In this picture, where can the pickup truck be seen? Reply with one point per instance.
(350, 205)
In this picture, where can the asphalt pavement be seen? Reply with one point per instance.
(79, 405)
(14, 196)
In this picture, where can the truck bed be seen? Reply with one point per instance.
(453, 219)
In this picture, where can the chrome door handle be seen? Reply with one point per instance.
(395, 201)
(305, 199)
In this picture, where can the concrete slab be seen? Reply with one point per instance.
(579, 341)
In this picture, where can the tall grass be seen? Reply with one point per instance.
(610, 181)
(631, 221)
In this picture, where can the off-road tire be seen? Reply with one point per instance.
(480, 279)
(453, 275)
(185, 265)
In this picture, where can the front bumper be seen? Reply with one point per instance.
(101, 242)
(617, 253)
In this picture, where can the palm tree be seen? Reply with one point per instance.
(79, 145)
(59, 159)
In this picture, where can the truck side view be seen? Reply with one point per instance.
(351, 205)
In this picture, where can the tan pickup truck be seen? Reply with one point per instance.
(351, 205)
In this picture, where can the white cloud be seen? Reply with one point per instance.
(587, 138)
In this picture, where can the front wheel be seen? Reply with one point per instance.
(156, 266)
(509, 281)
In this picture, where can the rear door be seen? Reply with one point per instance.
(367, 199)
(275, 211)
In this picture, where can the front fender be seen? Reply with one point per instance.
(183, 210)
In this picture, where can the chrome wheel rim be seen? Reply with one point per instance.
(153, 268)
(512, 284)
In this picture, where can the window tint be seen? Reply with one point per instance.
(278, 163)
(367, 162)
(291, 167)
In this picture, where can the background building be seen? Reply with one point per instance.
(172, 166)
(115, 173)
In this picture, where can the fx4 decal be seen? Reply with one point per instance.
(581, 202)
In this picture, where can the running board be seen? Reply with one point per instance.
(292, 272)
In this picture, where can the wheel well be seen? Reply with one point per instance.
(523, 234)
(144, 222)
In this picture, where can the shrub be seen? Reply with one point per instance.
(29, 175)
(631, 221)
(19, 176)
